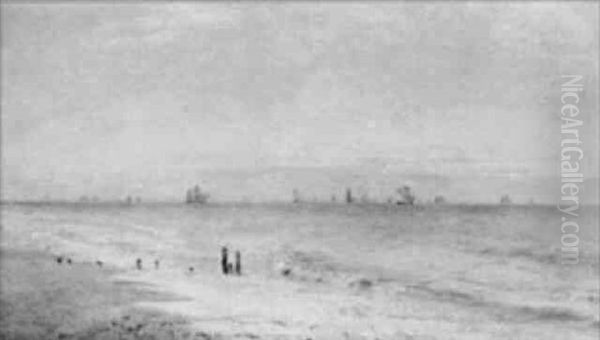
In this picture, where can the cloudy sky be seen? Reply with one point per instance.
(251, 100)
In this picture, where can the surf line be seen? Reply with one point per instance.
(570, 172)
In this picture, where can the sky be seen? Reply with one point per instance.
(251, 100)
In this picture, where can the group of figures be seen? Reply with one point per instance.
(138, 264)
(60, 260)
(64, 259)
(228, 267)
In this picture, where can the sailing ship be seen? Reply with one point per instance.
(195, 195)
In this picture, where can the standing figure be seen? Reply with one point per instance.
(156, 264)
(238, 262)
(224, 265)
(138, 264)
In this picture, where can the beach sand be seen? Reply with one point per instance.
(309, 272)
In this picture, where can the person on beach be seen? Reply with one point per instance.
(238, 262)
(138, 264)
(224, 262)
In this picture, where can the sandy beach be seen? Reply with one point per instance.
(407, 274)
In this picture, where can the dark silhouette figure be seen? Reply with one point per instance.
(191, 269)
(224, 262)
(69, 261)
(238, 263)
(59, 259)
(138, 264)
(156, 264)
(99, 263)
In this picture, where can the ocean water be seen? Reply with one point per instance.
(330, 271)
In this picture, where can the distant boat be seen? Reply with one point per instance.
(196, 196)
(439, 199)
(406, 196)
(349, 198)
